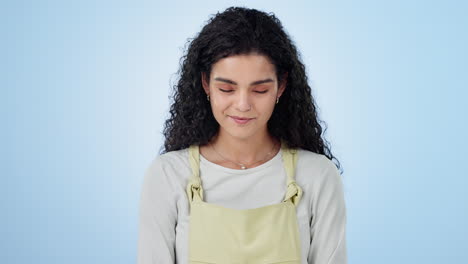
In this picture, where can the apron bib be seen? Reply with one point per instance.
(262, 235)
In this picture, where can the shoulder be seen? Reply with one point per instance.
(309, 160)
(169, 159)
(170, 167)
(316, 169)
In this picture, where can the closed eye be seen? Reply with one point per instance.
(226, 91)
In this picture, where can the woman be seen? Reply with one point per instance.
(245, 176)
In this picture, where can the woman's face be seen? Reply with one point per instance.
(246, 87)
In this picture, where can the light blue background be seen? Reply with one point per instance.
(84, 94)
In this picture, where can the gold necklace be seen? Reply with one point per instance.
(243, 166)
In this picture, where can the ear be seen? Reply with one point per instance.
(283, 84)
(205, 85)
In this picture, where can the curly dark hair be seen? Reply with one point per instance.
(238, 31)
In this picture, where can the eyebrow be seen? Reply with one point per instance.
(233, 82)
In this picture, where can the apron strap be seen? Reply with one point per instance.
(294, 192)
(194, 187)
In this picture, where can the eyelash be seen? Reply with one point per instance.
(228, 91)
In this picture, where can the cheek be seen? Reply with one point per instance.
(266, 106)
(219, 106)
(267, 111)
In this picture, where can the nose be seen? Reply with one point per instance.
(243, 103)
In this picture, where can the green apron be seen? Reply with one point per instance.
(267, 234)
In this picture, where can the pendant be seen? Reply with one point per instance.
(243, 166)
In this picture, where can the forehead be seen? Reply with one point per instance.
(252, 66)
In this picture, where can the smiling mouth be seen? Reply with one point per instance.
(241, 120)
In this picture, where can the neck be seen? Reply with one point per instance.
(246, 151)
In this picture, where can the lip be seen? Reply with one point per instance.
(240, 120)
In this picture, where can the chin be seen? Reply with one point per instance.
(240, 133)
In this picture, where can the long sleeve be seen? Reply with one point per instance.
(157, 217)
(328, 225)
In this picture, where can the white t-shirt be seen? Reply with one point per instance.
(164, 206)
